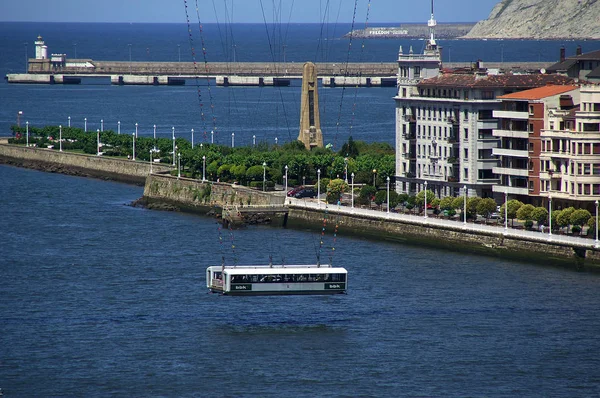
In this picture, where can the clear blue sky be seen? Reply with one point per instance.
(242, 10)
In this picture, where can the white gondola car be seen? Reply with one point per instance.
(276, 279)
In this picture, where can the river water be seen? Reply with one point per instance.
(99, 298)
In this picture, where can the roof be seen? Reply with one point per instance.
(539, 92)
(457, 80)
(594, 73)
(569, 62)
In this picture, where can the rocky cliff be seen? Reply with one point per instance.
(540, 19)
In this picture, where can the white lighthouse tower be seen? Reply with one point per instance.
(41, 50)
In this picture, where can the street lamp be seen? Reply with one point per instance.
(352, 188)
(154, 136)
(19, 114)
(506, 210)
(465, 205)
(374, 176)
(192, 138)
(596, 202)
(69, 121)
(425, 196)
(151, 161)
(549, 216)
(286, 183)
(179, 165)
(173, 130)
(319, 186)
(388, 196)
(27, 133)
(254, 140)
(233, 140)
(346, 170)
(212, 133)
(133, 136)
(101, 124)
(85, 124)
(60, 137)
(136, 130)
(264, 174)
(98, 142)
(275, 140)
(203, 168)
(119, 127)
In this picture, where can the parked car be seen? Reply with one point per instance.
(305, 193)
(295, 190)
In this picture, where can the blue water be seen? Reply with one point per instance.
(99, 298)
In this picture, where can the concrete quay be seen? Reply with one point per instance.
(332, 74)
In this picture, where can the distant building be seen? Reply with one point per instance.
(581, 66)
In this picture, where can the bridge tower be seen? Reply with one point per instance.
(310, 121)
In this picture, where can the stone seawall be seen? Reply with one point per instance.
(194, 195)
(449, 238)
(78, 164)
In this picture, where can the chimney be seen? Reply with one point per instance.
(578, 51)
(563, 54)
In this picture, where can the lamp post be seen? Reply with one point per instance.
(286, 182)
(276, 140)
(319, 186)
(60, 139)
(212, 134)
(129, 57)
(346, 170)
(254, 140)
(179, 165)
(101, 124)
(192, 138)
(424, 196)
(388, 196)
(133, 137)
(119, 127)
(352, 189)
(506, 210)
(233, 140)
(98, 142)
(549, 217)
(154, 136)
(465, 205)
(69, 121)
(136, 130)
(173, 130)
(203, 168)
(19, 114)
(179, 51)
(596, 203)
(85, 124)
(264, 175)
(374, 176)
(27, 133)
(150, 161)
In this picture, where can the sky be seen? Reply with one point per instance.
(240, 11)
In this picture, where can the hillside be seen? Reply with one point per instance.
(540, 19)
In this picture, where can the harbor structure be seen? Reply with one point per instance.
(310, 120)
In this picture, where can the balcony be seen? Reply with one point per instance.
(409, 118)
(556, 154)
(510, 171)
(510, 190)
(510, 152)
(487, 124)
(452, 160)
(452, 179)
(510, 133)
(511, 115)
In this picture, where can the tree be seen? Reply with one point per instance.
(447, 203)
(512, 206)
(420, 198)
(335, 189)
(486, 207)
(394, 199)
(579, 218)
(380, 197)
(524, 212)
(540, 215)
(564, 218)
(593, 225)
(367, 192)
(472, 204)
(255, 173)
(458, 203)
(349, 149)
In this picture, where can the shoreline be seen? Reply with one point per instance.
(166, 192)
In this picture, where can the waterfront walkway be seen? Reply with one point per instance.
(491, 229)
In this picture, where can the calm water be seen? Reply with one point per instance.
(99, 298)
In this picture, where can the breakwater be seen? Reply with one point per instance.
(50, 160)
(200, 197)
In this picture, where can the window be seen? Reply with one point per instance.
(404, 92)
(466, 134)
(531, 109)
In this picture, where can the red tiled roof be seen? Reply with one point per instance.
(539, 92)
(495, 81)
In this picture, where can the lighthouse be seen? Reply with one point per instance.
(41, 50)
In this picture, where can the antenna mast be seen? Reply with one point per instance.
(432, 24)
